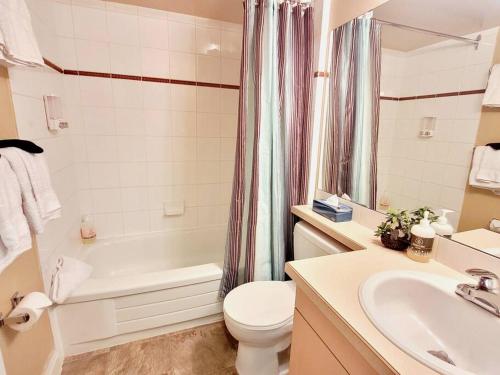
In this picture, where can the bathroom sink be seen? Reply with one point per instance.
(420, 313)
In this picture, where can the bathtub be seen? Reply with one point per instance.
(142, 286)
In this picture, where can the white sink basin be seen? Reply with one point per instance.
(420, 312)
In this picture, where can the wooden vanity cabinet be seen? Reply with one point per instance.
(326, 345)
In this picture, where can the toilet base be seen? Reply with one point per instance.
(252, 360)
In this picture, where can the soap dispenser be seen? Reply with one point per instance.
(421, 241)
(442, 226)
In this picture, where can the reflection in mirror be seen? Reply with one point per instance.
(423, 140)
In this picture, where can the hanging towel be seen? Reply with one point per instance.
(476, 166)
(15, 236)
(492, 95)
(68, 275)
(489, 168)
(40, 203)
(18, 45)
(45, 196)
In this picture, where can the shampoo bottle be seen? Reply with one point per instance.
(422, 239)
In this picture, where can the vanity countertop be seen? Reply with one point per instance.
(332, 283)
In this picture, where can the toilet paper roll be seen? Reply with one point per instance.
(33, 304)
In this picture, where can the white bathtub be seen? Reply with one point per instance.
(142, 286)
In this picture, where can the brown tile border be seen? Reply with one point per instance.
(321, 74)
(85, 73)
(50, 64)
(430, 96)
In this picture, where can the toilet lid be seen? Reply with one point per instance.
(261, 303)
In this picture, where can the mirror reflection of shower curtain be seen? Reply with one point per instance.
(351, 132)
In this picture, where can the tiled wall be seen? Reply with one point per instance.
(415, 171)
(143, 143)
(132, 144)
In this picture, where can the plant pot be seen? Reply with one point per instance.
(400, 243)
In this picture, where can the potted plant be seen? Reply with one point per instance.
(394, 232)
(418, 214)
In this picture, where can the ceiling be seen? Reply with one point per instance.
(456, 17)
(222, 10)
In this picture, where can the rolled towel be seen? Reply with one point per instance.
(491, 97)
(68, 275)
(476, 164)
(489, 167)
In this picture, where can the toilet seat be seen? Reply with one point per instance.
(261, 305)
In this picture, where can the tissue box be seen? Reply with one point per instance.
(337, 214)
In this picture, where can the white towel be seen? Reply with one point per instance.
(491, 97)
(18, 45)
(489, 168)
(40, 203)
(68, 275)
(476, 165)
(15, 236)
(45, 196)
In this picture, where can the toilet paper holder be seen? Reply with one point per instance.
(23, 318)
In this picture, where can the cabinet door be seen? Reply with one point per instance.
(309, 355)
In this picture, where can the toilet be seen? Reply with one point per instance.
(260, 314)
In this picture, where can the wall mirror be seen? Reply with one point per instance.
(435, 63)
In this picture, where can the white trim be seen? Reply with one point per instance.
(54, 363)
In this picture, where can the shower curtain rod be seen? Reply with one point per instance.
(437, 33)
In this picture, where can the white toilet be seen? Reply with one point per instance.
(260, 314)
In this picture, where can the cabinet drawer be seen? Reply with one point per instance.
(309, 355)
(354, 355)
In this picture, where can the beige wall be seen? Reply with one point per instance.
(23, 353)
(480, 205)
(346, 10)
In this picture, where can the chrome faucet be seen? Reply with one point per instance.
(485, 293)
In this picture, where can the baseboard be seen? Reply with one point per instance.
(54, 363)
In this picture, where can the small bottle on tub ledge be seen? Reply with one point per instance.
(87, 230)
(421, 241)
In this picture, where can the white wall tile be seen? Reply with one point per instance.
(182, 37)
(183, 66)
(156, 95)
(123, 28)
(92, 56)
(125, 59)
(183, 124)
(183, 98)
(208, 41)
(129, 121)
(96, 92)
(153, 32)
(231, 44)
(230, 71)
(155, 62)
(127, 93)
(90, 23)
(208, 99)
(208, 69)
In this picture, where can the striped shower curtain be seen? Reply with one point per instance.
(273, 140)
(351, 132)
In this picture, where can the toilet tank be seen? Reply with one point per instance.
(309, 242)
